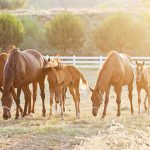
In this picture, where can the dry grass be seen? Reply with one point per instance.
(39, 133)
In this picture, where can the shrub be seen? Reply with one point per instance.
(34, 34)
(117, 32)
(11, 30)
(11, 4)
(65, 31)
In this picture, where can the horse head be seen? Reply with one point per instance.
(96, 99)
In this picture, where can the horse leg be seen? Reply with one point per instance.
(61, 107)
(51, 100)
(130, 89)
(18, 102)
(72, 92)
(139, 99)
(27, 95)
(64, 97)
(148, 95)
(145, 107)
(106, 102)
(41, 83)
(34, 95)
(15, 99)
(78, 99)
(118, 100)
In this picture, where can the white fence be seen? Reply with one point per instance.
(91, 61)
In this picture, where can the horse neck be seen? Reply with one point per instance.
(9, 75)
(104, 78)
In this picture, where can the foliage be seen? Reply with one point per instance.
(11, 4)
(65, 31)
(34, 34)
(11, 30)
(120, 32)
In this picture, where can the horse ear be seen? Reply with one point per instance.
(1, 89)
(91, 89)
(143, 62)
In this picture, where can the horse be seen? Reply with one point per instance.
(3, 58)
(116, 71)
(143, 82)
(21, 69)
(59, 79)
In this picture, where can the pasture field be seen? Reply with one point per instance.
(38, 133)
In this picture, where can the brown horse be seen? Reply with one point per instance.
(3, 58)
(21, 69)
(116, 71)
(69, 76)
(143, 82)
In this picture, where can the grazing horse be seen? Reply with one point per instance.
(143, 82)
(59, 79)
(21, 69)
(3, 58)
(116, 71)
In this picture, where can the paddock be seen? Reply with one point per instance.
(42, 133)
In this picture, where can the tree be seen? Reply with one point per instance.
(11, 30)
(65, 31)
(34, 34)
(11, 4)
(119, 32)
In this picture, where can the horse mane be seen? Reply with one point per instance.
(11, 63)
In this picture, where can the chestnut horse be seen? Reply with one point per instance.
(116, 71)
(59, 79)
(3, 58)
(143, 82)
(21, 69)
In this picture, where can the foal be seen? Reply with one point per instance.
(143, 82)
(69, 76)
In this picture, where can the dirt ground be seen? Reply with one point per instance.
(115, 133)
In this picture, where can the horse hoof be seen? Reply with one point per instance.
(44, 115)
(102, 117)
(31, 115)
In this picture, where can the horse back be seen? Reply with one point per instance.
(27, 64)
(120, 68)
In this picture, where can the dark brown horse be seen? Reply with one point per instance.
(143, 82)
(3, 58)
(117, 71)
(69, 76)
(21, 69)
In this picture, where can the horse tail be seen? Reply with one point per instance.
(84, 82)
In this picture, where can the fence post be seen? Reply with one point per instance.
(74, 60)
(47, 57)
(101, 60)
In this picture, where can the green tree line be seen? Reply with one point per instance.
(65, 33)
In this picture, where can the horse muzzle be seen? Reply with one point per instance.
(94, 112)
(6, 115)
